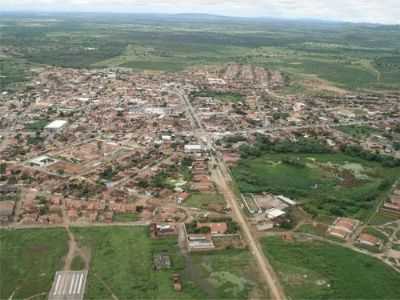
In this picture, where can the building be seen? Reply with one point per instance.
(199, 242)
(193, 148)
(274, 213)
(215, 228)
(343, 227)
(160, 230)
(369, 240)
(56, 125)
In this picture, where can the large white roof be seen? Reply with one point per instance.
(56, 124)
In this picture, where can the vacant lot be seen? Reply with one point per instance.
(221, 96)
(327, 184)
(29, 260)
(121, 263)
(317, 270)
(203, 200)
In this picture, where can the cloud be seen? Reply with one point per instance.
(377, 11)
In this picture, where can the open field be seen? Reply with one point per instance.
(29, 260)
(221, 96)
(202, 200)
(121, 263)
(317, 270)
(327, 184)
(345, 55)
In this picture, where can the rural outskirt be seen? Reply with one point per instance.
(193, 157)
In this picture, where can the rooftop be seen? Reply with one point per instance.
(56, 124)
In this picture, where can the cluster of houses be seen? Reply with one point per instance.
(343, 228)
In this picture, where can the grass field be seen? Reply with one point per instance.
(221, 96)
(125, 217)
(121, 262)
(327, 184)
(29, 260)
(202, 200)
(383, 218)
(317, 270)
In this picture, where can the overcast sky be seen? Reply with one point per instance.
(375, 11)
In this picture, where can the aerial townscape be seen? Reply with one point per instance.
(198, 157)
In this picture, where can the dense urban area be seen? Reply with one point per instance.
(169, 169)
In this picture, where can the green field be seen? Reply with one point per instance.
(359, 132)
(202, 200)
(29, 260)
(317, 270)
(327, 184)
(221, 96)
(121, 262)
(125, 217)
(12, 71)
(352, 56)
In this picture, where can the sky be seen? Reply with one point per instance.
(371, 11)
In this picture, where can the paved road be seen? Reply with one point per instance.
(222, 178)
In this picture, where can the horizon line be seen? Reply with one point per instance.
(310, 18)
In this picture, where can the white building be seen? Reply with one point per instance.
(56, 125)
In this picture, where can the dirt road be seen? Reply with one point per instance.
(268, 273)
(221, 177)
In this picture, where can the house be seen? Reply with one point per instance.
(343, 227)
(199, 242)
(160, 230)
(215, 228)
(193, 148)
(369, 240)
(55, 126)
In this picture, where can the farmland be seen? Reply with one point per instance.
(343, 54)
(28, 261)
(317, 270)
(327, 184)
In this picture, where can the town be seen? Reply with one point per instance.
(112, 147)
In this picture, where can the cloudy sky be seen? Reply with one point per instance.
(376, 11)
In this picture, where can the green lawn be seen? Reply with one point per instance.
(125, 217)
(202, 200)
(327, 184)
(121, 258)
(29, 260)
(221, 96)
(317, 270)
